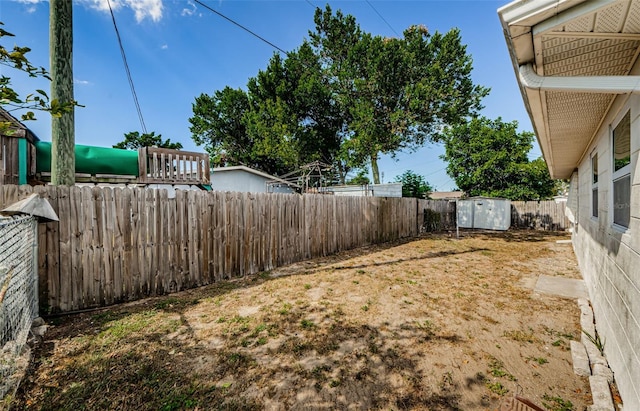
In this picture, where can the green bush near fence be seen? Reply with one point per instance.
(431, 220)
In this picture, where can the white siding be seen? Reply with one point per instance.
(386, 190)
(243, 181)
(609, 258)
(375, 190)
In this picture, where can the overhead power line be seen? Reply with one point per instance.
(383, 19)
(126, 68)
(241, 26)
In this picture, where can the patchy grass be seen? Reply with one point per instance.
(430, 324)
(496, 368)
(538, 360)
(556, 403)
(497, 388)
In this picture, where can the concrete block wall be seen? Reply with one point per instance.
(609, 257)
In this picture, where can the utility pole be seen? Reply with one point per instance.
(63, 161)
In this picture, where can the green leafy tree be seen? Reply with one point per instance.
(414, 185)
(489, 158)
(134, 140)
(360, 179)
(16, 58)
(394, 94)
(219, 124)
(284, 120)
(290, 118)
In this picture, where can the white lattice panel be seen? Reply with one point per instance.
(587, 56)
(632, 25)
(573, 119)
(611, 19)
(583, 24)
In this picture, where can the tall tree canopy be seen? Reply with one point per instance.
(489, 158)
(344, 97)
(284, 120)
(135, 140)
(395, 93)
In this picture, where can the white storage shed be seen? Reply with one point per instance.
(483, 212)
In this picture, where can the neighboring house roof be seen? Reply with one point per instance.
(557, 48)
(17, 129)
(446, 195)
(256, 172)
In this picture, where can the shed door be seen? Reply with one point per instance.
(465, 213)
(492, 214)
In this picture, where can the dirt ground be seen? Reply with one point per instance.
(435, 323)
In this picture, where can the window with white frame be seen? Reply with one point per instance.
(594, 185)
(622, 171)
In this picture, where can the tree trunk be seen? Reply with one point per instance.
(374, 169)
(63, 161)
(342, 172)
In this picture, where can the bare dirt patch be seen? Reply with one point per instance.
(435, 323)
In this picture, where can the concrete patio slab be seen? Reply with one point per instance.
(562, 287)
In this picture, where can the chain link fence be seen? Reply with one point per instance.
(18, 297)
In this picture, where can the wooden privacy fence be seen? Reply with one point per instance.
(437, 215)
(121, 244)
(539, 215)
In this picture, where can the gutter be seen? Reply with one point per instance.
(586, 84)
(519, 10)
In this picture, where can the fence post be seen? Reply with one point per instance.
(142, 164)
(35, 305)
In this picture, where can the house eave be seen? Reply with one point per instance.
(554, 40)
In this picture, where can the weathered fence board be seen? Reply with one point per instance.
(437, 215)
(539, 215)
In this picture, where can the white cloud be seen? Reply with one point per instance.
(102, 5)
(81, 82)
(142, 8)
(189, 11)
(164, 46)
(31, 4)
(146, 8)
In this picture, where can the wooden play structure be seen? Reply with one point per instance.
(24, 159)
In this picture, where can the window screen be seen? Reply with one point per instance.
(622, 143)
(621, 171)
(594, 185)
(621, 200)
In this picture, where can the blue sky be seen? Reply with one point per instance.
(177, 50)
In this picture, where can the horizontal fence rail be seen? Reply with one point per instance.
(168, 166)
(119, 244)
